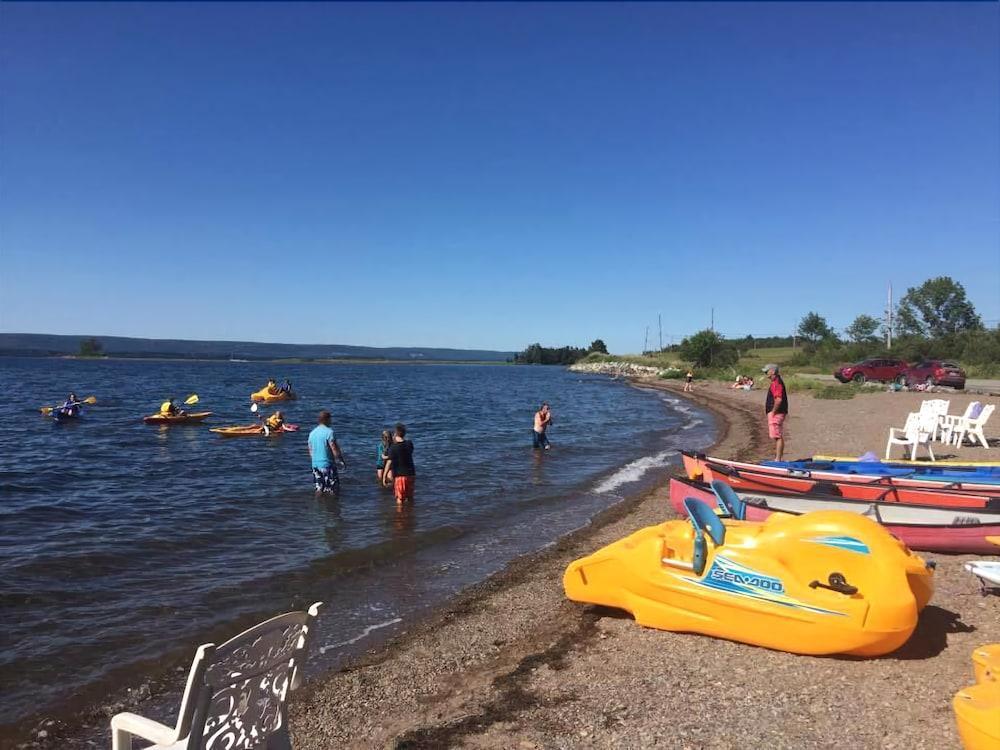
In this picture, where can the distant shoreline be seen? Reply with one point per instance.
(281, 361)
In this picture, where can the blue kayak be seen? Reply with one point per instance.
(983, 474)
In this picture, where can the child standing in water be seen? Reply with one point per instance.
(381, 455)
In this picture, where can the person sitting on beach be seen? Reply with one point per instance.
(275, 422)
(740, 381)
(381, 456)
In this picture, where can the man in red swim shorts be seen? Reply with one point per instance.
(776, 408)
(399, 462)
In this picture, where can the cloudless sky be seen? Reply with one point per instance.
(487, 176)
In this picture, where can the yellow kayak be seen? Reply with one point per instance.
(264, 395)
(977, 708)
(829, 582)
(906, 462)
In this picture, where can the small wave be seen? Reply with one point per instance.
(364, 633)
(692, 425)
(633, 471)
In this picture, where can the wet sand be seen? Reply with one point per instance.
(513, 664)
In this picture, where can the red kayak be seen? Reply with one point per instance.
(743, 480)
(695, 467)
(921, 527)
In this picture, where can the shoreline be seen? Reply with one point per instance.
(328, 701)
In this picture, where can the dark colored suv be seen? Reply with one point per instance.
(934, 372)
(876, 368)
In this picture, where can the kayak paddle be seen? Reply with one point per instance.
(88, 400)
(191, 400)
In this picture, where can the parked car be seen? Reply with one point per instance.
(934, 372)
(876, 368)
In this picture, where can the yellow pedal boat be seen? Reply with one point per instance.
(267, 396)
(977, 708)
(829, 582)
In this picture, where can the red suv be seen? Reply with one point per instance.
(934, 372)
(884, 369)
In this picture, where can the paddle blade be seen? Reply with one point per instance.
(192, 399)
(47, 409)
(90, 400)
(993, 540)
(253, 408)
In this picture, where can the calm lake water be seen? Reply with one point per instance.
(122, 544)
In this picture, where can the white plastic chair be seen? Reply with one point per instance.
(917, 431)
(974, 427)
(951, 422)
(236, 693)
(938, 408)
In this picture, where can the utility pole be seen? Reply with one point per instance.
(645, 341)
(659, 320)
(712, 324)
(888, 312)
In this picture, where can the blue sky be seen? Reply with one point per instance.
(479, 175)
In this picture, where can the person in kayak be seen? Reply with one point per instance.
(323, 451)
(275, 422)
(776, 408)
(381, 454)
(272, 387)
(169, 409)
(71, 407)
(285, 387)
(399, 466)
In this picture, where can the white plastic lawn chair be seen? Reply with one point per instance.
(236, 693)
(938, 408)
(917, 431)
(951, 422)
(974, 427)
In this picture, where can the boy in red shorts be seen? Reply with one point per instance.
(776, 407)
(400, 462)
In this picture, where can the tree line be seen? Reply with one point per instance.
(933, 320)
(536, 354)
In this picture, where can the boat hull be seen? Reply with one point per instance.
(926, 528)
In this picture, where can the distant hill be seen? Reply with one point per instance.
(46, 345)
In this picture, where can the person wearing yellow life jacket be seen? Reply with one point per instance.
(275, 422)
(272, 387)
(169, 409)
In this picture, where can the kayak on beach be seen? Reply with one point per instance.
(697, 465)
(253, 430)
(977, 708)
(873, 468)
(192, 418)
(827, 583)
(902, 462)
(935, 528)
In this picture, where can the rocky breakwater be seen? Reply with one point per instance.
(623, 369)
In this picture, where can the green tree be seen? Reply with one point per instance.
(91, 348)
(707, 349)
(814, 328)
(862, 330)
(936, 308)
(597, 345)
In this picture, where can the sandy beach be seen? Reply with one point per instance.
(513, 664)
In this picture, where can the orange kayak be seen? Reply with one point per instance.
(252, 430)
(191, 418)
